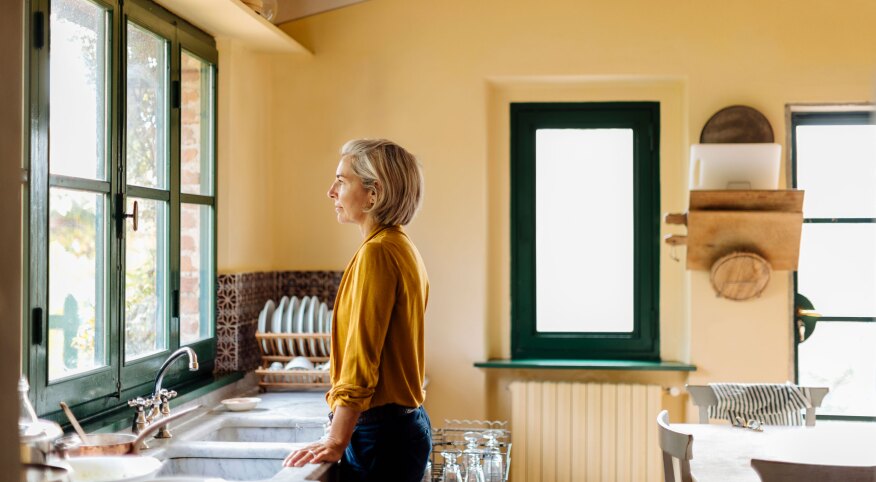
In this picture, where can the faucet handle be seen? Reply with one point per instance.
(140, 403)
(140, 419)
(165, 394)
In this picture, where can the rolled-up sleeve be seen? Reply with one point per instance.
(371, 295)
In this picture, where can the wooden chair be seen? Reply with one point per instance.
(677, 449)
(772, 471)
(704, 397)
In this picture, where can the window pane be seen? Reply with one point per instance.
(196, 119)
(837, 269)
(146, 279)
(77, 309)
(836, 165)
(841, 356)
(577, 169)
(147, 109)
(196, 273)
(78, 90)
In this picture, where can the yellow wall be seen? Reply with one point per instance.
(436, 76)
(246, 201)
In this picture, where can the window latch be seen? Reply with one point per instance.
(36, 326)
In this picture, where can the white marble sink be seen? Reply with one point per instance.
(219, 445)
(287, 431)
(227, 460)
(227, 469)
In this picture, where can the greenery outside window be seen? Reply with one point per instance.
(585, 229)
(833, 155)
(120, 201)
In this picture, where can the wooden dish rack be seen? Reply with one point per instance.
(290, 379)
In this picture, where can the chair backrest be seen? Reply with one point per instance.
(704, 397)
(772, 471)
(677, 450)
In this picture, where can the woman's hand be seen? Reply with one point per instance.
(331, 447)
(326, 449)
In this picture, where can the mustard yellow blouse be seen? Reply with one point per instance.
(378, 324)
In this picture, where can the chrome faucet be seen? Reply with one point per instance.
(193, 366)
(160, 397)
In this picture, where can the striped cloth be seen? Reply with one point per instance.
(769, 403)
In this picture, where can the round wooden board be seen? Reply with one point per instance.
(737, 124)
(740, 276)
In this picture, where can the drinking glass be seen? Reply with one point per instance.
(471, 449)
(473, 470)
(494, 470)
(451, 471)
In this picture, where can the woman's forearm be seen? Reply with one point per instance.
(343, 423)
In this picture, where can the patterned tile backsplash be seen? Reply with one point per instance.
(240, 299)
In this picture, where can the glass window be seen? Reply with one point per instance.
(147, 109)
(834, 161)
(196, 272)
(836, 165)
(196, 131)
(576, 293)
(109, 140)
(837, 267)
(146, 274)
(78, 126)
(564, 247)
(77, 288)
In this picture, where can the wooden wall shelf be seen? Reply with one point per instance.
(232, 19)
(767, 223)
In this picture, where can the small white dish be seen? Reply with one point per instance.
(121, 468)
(240, 404)
(299, 363)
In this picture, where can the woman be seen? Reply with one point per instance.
(379, 429)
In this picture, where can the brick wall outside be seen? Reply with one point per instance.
(195, 233)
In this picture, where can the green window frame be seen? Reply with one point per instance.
(824, 117)
(642, 342)
(116, 379)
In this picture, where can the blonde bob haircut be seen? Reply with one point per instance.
(392, 174)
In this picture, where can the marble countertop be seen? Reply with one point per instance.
(221, 445)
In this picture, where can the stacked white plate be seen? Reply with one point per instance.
(266, 313)
(297, 315)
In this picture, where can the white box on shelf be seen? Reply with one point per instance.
(735, 166)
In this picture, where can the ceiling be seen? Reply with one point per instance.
(288, 10)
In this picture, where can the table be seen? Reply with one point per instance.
(723, 452)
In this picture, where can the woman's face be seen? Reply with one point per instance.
(349, 195)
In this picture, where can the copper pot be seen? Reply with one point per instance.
(114, 443)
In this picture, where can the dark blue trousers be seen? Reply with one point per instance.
(393, 450)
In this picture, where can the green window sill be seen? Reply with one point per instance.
(633, 365)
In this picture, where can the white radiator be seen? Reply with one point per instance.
(582, 432)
